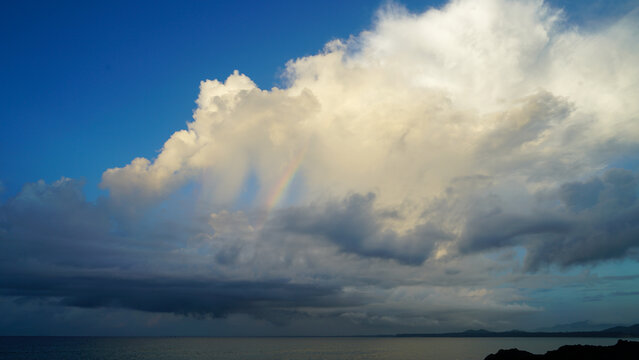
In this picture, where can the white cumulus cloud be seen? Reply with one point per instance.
(435, 155)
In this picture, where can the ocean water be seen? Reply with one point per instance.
(200, 348)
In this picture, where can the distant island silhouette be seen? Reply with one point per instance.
(622, 350)
(613, 332)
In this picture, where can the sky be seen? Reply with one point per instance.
(290, 168)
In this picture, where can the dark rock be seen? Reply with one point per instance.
(512, 354)
(622, 350)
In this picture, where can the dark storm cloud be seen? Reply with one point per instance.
(606, 229)
(499, 228)
(57, 247)
(354, 226)
(167, 295)
(53, 223)
(578, 196)
(598, 219)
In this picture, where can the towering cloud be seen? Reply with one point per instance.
(504, 91)
(427, 146)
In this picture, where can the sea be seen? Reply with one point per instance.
(279, 348)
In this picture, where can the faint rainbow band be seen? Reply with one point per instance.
(278, 191)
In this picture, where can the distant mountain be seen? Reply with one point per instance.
(577, 326)
(615, 332)
(631, 331)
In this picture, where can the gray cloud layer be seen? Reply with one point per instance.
(598, 219)
(354, 226)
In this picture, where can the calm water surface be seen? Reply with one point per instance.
(158, 348)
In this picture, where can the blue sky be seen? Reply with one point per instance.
(101, 73)
(423, 166)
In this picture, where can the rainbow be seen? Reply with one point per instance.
(282, 184)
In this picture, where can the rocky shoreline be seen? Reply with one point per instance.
(622, 350)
